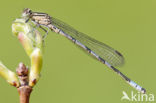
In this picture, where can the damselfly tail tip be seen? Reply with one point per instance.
(143, 90)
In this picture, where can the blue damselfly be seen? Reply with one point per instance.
(104, 53)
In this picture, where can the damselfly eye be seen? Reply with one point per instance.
(27, 11)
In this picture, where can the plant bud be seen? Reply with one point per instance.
(28, 36)
(19, 25)
(36, 65)
(8, 75)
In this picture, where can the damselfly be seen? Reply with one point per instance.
(105, 54)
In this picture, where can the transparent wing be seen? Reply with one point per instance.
(109, 54)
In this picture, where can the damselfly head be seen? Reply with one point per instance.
(26, 12)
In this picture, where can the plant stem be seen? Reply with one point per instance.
(24, 89)
(24, 92)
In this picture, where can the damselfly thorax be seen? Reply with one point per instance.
(42, 19)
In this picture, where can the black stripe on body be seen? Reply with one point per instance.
(122, 75)
(59, 31)
(89, 50)
(101, 59)
(73, 39)
(40, 13)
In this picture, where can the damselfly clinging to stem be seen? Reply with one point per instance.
(107, 55)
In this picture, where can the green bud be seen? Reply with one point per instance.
(29, 37)
(19, 25)
(26, 43)
(8, 75)
(36, 65)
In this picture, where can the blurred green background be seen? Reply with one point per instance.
(71, 76)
